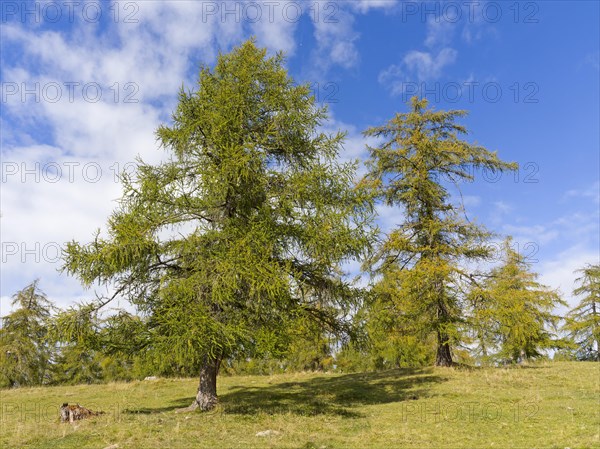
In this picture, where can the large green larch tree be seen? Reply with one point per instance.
(242, 230)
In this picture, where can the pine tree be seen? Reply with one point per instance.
(513, 314)
(25, 352)
(245, 225)
(583, 321)
(421, 259)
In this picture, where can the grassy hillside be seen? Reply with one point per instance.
(547, 405)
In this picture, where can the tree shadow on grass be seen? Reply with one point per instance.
(173, 405)
(331, 395)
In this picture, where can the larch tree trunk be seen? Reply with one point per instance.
(206, 397)
(594, 332)
(443, 356)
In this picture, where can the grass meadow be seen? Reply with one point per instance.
(546, 405)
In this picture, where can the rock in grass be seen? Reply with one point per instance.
(267, 433)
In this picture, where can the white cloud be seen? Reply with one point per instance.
(416, 66)
(559, 272)
(392, 76)
(423, 66)
(335, 34)
(439, 33)
(498, 211)
(476, 26)
(335, 41)
(593, 192)
(49, 198)
(562, 245)
(365, 6)
(426, 66)
(278, 36)
(536, 234)
(471, 200)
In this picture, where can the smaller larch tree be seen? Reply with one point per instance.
(25, 352)
(583, 321)
(513, 314)
(76, 359)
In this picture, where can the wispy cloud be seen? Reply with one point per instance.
(442, 33)
(335, 41)
(559, 271)
(592, 192)
(416, 66)
(439, 33)
(538, 234)
(427, 66)
(364, 6)
(335, 32)
(471, 200)
(423, 65)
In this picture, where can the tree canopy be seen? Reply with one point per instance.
(243, 229)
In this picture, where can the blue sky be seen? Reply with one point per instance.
(85, 85)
